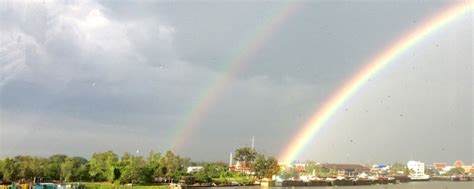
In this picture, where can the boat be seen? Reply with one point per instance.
(417, 171)
(415, 178)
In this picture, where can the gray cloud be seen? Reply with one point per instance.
(87, 76)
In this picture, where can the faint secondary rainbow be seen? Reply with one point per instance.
(248, 49)
(331, 105)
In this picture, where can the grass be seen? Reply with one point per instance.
(107, 185)
(238, 179)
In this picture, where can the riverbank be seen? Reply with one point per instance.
(348, 184)
(411, 185)
(97, 185)
(451, 178)
(84, 185)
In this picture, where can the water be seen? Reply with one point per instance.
(411, 185)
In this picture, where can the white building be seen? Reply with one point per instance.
(447, 168)
(417, 167)
(193, 169)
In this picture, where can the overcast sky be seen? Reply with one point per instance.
(78, 77)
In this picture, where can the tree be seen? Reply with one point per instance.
(154, 165)
(173, 166)
(290, 173)
(102, 166)
(73, 169)
(82, 174)
(313, 167)
(24, 164)
(53, 166)
(431, 171)
(10, 170)
(38, 165)
(266, 167)
(209, 172)
(1, 168)
(245, 154)
(214, 170)
(133, 169)
(456, 171)
(30, 167)
(399, 169)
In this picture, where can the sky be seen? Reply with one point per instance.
(78, 77)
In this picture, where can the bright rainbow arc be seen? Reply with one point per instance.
(322, 115)
(248, 49)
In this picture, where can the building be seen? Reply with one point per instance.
(193, 169)
(292, 166)
(299, 166)
(446, 169)
(416, 167)
(349, 170)
(380, 168)
(439, 165)
(468, 168)
(241, 166)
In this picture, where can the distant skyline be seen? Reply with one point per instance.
(78, 77)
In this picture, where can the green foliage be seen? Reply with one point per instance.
(245, 154)
(107, 167)
(2, 163)
(456, 171)
(266, 167)
(119, 186)
(10, 170)
(235, 177)
(74, 169)
(154, 164)
(210, 172)
(172, 165)
(133, 169)
(102, 166)
(311, 167)
(431, 171)
(397, 169)
(290, 174)
(318, 170)
(53, 166)
(31, 166)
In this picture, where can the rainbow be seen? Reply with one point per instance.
(247, 51)
(382, 59)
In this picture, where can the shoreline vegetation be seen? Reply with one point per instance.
(109, 170)
(120, 186)
(157, 170)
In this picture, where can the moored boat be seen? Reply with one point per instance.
(415, 178)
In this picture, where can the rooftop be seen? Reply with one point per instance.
(345, 166)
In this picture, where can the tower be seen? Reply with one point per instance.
(230, 160)
(253, 142)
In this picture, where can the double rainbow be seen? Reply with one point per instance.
(247, 51)
(382, 59)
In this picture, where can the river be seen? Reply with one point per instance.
(411, 185)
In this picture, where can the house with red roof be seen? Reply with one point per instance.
(439, 165)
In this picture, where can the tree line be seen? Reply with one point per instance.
(129, 168)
